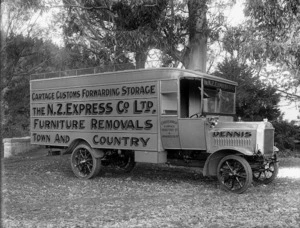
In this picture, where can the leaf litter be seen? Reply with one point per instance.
(43, 192)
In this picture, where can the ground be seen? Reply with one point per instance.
(42, 191)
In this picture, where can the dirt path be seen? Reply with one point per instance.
(41, 191)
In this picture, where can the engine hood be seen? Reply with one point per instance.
(246, 137)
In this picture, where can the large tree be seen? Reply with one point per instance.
(119, 31)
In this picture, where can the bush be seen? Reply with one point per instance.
(16, 105)
(286, 135)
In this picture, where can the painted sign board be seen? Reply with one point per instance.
(170, 132)
(118, 116)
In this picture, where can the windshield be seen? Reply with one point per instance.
(216, 97)
(217, 100)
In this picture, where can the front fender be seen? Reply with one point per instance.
(242, 150)
(211, 163)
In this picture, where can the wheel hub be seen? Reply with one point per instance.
(83, 161)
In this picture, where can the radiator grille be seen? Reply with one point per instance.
(268, 141)
(242, 142)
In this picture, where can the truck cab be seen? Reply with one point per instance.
(185, 114)
(198, 129)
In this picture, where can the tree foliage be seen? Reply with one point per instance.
(255, 101)
(110, 30)
(275, 25)
(21, 57)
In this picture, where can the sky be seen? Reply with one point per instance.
(236, 14)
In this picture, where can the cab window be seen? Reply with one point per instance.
(218, 98)
(168, 97)
(190, 97)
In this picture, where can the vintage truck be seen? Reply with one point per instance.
(164, 115)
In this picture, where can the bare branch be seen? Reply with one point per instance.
(79, 6)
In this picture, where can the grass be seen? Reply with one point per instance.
(41, 191)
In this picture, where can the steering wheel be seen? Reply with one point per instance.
(197, 115)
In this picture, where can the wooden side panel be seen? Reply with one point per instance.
(117, 116)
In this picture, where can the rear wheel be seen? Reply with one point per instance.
(83, 163)
(234, 174)
(125, 161)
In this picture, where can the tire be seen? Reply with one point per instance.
(234, 174)
(267, 174)
(83, 162)
(126, 163)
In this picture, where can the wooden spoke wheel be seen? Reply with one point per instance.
(125, 161)
(266, 173)
(83, 163)
(234, 174)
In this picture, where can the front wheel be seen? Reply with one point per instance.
(234, 174)
(83, 163)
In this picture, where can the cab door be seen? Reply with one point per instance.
(169, 129)
(191, 123)
(192, 133)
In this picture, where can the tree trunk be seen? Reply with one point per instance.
(195, 55)
(140, 59)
